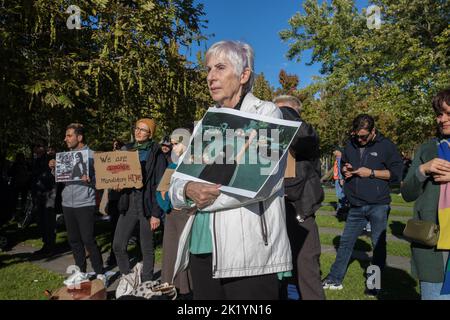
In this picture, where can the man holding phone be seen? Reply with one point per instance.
(371, 162)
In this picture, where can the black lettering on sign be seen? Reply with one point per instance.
(105, 158)
(134, 177)
(121, 159)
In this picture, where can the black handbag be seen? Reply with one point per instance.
(422, 232)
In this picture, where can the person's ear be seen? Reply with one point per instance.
(245, 75)
(79, 138)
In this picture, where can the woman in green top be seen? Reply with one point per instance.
(422, 185)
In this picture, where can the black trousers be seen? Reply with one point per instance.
(80, 231)
(113, 211)
(125, 227)
(305, 246)
(46, 220)
(263, 287)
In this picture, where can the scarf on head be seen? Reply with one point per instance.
(444, 216)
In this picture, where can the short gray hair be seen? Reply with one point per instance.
(289, 99)
(241, 56)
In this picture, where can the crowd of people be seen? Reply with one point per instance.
(219, 245)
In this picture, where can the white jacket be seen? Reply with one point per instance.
(249, 236)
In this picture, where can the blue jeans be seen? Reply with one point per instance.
(357, 219)
(432, 291)
(342, 200)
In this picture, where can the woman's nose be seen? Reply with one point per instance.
(211, 75)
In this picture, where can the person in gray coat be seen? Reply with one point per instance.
(79, 207)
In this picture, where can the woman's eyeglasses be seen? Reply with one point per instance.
(141, 130)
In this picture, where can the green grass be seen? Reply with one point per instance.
(394, 248)
(395, 226)
(24, 280)
(395, 283)
(397, 200)
(393, 212)
(103, 238)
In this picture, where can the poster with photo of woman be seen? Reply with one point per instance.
(71, 165)
(237, 150)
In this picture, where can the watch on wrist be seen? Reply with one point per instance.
(372, 174)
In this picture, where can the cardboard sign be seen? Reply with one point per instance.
(117, 169)
(165, 181)
(72, 165)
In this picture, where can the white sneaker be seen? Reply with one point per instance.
(76, 278)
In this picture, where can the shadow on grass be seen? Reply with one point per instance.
(360, 245)
(16, 236)
(396, 284)
(333, 204)
(397, 228)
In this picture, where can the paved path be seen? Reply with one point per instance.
(60, 261)
(394, 207)
(338, 232)
(392, 261)
(391, 217)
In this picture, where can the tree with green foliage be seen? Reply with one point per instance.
(391, 72)
(124, 63)
(262, 88)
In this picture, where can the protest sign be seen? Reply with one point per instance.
(71, 165)
(238, 150)
(117, 169)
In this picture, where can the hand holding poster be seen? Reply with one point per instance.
(117, 170)
(72, 165)
(237, 150)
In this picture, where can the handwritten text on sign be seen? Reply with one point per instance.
(117, 169)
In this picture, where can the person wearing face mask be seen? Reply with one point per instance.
(427, 183)
(175, 221)
(370, 163)
(139, 206)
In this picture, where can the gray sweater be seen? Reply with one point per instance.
(78, 193)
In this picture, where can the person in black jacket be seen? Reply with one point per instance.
(139, 205)
(304, 195)
(46, 191)
(370, 163)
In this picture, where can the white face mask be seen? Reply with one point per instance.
(177, 151)
(174, 156)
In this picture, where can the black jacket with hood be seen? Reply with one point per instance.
(378, 154)
(155, 166)
(305, 190)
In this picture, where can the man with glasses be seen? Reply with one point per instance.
(370, 163)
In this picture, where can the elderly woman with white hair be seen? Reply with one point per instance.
(235, 246)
